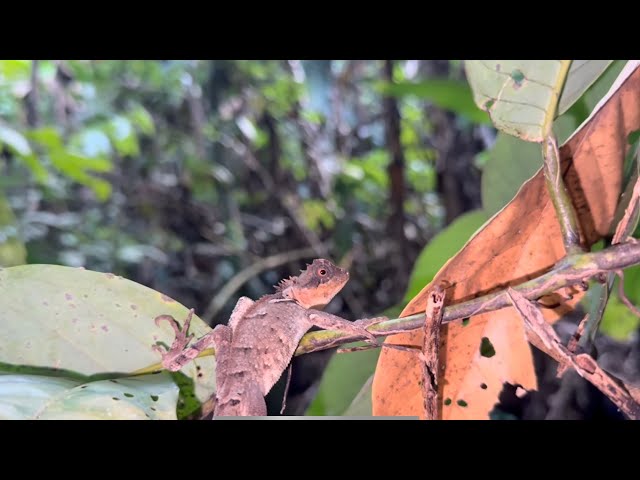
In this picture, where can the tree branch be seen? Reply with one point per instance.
(572, 270)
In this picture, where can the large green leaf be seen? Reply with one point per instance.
(443, 247)
(342, 380)
(521, 96)
(36, 397)
(362, 405)
(452, 95)
(71, 319)
(582, 74)
(511, 162)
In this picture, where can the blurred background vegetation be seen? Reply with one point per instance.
(208, 180)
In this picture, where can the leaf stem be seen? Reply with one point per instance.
(560, 196)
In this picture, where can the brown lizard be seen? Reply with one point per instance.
(254, 349)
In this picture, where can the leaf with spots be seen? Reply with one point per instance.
(89, 323)
(520, 96)
(37, 397)
(521, 241)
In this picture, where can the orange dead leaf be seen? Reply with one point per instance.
(522, 241)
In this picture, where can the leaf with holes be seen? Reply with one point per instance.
(521, 96)
(87, 323)
(36, 397)
(523, 240)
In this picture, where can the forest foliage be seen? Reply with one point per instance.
(167, 180)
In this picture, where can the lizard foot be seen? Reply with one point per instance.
(179, 344)
(366, 323)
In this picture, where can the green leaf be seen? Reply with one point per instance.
(450, 95)
(123, 136)
(342, 380)
(37, 169)
(15, 70)
(70, 163)
(596, 93)
(362, 405)
(75, 167)
(14, 140)
(142, 120)
(12, 250)
(618, 321)
(47, 137)
(36, 397)
(316, 214)
(632, 284)
(89, 323)
(511, 162)
(582, 74)
(443, 246)
(584, 106)
(521, 96)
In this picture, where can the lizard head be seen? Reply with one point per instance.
(316, 286)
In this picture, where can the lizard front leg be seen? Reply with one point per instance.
(328, 321)
(179, 355)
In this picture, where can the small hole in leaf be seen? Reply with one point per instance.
(447, 401)
(200, 375)
(486, 348)
(488, 104)
(152, 408)
(115, 398)
(154, 398)
(466, 321)
(128, 395)
(462, 403)
(114, 381)
(84, 386)
(483, 386)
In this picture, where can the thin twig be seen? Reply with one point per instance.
(574, 343)
(240, 278)
(623, 296)
(571, 271)
(583, 364)
(286, 388)
(627, 225)
(560, 196)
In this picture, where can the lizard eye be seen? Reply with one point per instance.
(322, 272)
